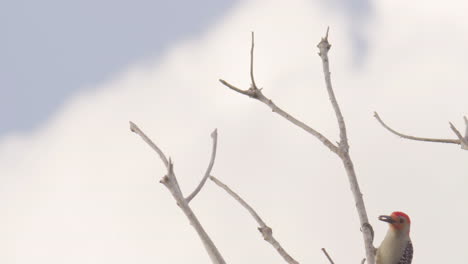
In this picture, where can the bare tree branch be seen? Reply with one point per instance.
(454, 129)
(463, 141)
(134, 128)
(452, 141)
(342, 150)
(265, 230)
(170, 181)
(214, 136)
(254, 85)
(466, 127)
(464, 144)
(324, 46)
(328, 256)
(256, 93)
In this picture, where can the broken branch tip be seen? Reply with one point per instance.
(132, 126)
(214, 134)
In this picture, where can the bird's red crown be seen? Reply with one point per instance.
(402, 215)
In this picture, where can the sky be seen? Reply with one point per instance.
(53, 49)
(78, 187)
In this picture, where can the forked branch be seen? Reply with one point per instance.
(462, 141)
(324, 46)
(170, 181)
(265, 230)
(367, 231)
(342, 150)
(256, 93)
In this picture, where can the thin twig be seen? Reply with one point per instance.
(451, 141)
(170, 181)
(214, 136)
(363, 261)
(232, 87)
(463, 141)
(254, 85)
(466, 127)
(324, 46)
(341, 150)
(455, 130)
(266, 231)
(328, 256)
(256, 93)
(240, 200)
(134, 128)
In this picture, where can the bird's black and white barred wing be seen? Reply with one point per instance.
(407, 254)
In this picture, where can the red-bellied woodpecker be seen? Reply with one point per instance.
(396, 248)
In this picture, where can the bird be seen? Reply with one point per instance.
(396, 247)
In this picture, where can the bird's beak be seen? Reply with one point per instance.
(387, 219)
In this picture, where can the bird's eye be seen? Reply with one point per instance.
(402, 220)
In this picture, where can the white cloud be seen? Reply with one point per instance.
(84, 189)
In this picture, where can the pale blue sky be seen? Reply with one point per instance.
(50, 49)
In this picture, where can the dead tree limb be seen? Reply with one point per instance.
(256, 93)
(214, 136)
(265, 230)
(342, 149)
(466, 126)
(367, 231)
(148, 141)
(324, 46)
(328, 256)
(462, 141)
(170, 181)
